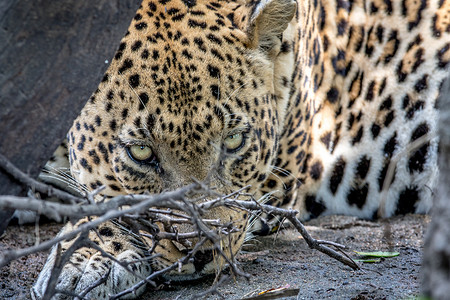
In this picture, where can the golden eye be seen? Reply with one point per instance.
(234, 141)
(140, 153)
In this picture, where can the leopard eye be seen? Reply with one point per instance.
(234, 142)
(140, 153)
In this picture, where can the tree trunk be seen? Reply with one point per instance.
(52, 57)
(436, 270)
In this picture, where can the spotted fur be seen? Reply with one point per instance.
(324, 93)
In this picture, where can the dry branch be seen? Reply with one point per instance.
(143, 211)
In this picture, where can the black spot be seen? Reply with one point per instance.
(110, 95)
(316, 170)
(200, 44)
(370, 91)
(214, 39)
(124, 113)
(186, 54)
(134, 80)
(420, 130)
(313, 206)
(375, 130)
(285, 47)
(113, 125)
(106, 231)
(127, 63)
(117, 246)
(152, 6)
(150, 122)
(382, 86)
(73, 281)
(337, 174)
(388, 6)
(144, 54)
(407, 200)
(120, 50)
(111, 148)
(215, 91)
(217, 54)
(190, 3)
(271, 183)
(363, 167)
(143, 100)
(358, 136)
(342, 26)
(103, 151)
(292, 149)
(136, 46)
(357, 196)
(441, 55)
(85, 164)
(380, 31)
(369, 47)
(410, 112)
(261, 177)
(418, 159)
(114, 187)
(351, 120)
(213, 71)
(94, 156)
(155, 54)
(421, 84)
(387, 103)
(389, 118)
(333, 95)
(193, 24)
(80, 145)
(400, 74)
(140, 26)
(390, 145)
(326, 139)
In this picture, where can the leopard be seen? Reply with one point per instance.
(306, 103)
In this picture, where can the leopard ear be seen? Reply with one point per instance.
(268, 19)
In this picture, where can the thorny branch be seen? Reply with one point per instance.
(168, 208)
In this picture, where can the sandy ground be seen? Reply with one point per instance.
(277, 261)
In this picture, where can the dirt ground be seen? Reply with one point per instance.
(278, 261)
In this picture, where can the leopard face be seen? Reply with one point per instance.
(190, 94)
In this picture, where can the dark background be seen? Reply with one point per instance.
(52, 57)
